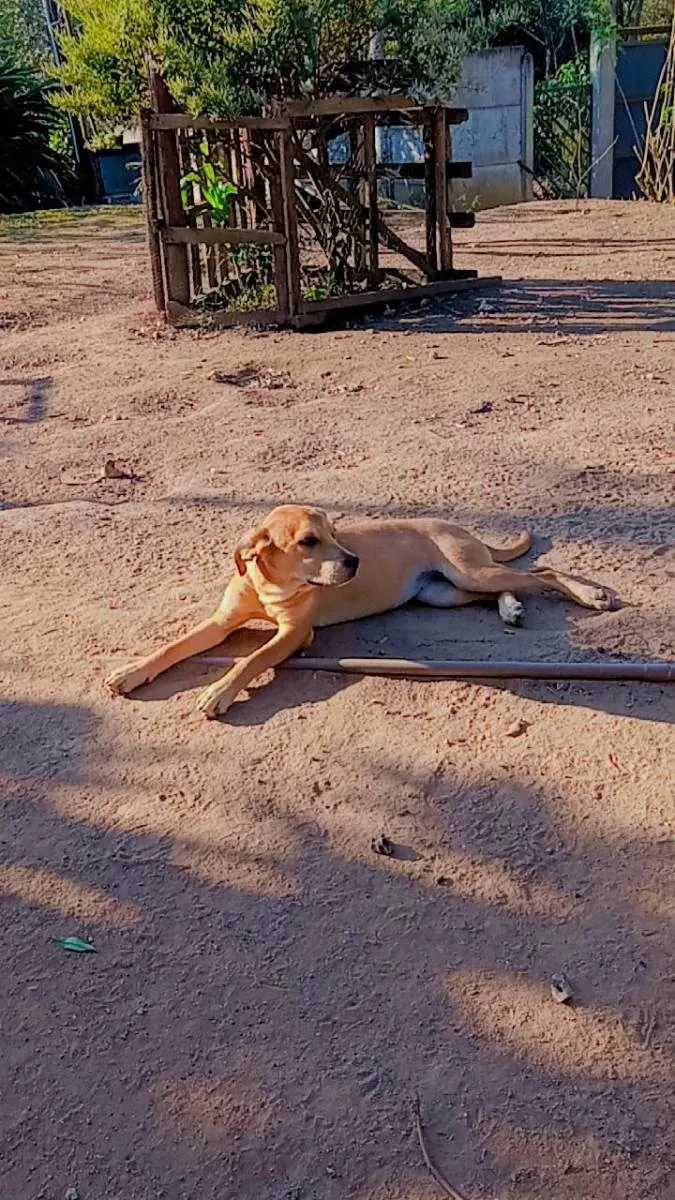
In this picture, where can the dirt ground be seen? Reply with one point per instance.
(268, 995)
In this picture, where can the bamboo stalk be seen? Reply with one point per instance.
(656, 176)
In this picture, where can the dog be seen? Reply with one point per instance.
(297, 573)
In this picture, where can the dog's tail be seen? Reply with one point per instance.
(504, 554)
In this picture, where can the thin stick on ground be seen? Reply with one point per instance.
(440, 1179)
(648, 1032)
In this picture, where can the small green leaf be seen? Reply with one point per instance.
(76, 944)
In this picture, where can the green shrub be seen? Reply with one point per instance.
(31, 171)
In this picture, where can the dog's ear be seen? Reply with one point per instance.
(251, 547)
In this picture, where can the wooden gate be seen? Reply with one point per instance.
(249, 221)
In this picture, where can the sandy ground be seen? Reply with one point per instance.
(268, 994)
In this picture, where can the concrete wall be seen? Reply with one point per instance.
(497, 87)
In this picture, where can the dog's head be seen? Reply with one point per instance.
(297, 543)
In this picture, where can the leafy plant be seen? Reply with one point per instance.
(253, 298)
(32, 170)
(562, 106)
(321, 286)
(249, 298)
(253, 267)
(248, 284)
(216, 190)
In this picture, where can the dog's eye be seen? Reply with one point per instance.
(309, 541)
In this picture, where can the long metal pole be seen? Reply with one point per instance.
(403, 668)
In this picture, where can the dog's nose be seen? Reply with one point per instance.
(351, 562)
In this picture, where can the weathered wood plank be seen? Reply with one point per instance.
(176, 235)
(151, 208)
(415, 170)
(441, 188)
(176, 268)
(429, 132)
(438, 287)
(370, 164)
(287, 168)
(337, 106)
(182, 315)
(276, 195)
(184, 121)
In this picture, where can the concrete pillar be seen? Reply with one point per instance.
(527, 118)
(603, 95)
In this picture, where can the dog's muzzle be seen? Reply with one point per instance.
(337, 572)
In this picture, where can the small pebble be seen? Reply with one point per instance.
(561, 989)
(516, 729)
(382, 845)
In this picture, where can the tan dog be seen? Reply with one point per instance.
(295, 573)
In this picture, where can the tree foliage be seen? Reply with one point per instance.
(229, 56)
(656, 12)
(225, 57)
(23, 34)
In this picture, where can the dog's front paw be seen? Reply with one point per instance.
(214, 701)
(126, 679)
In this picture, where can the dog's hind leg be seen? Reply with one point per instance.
(510, 608)
(438, 593)
(496, 579)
